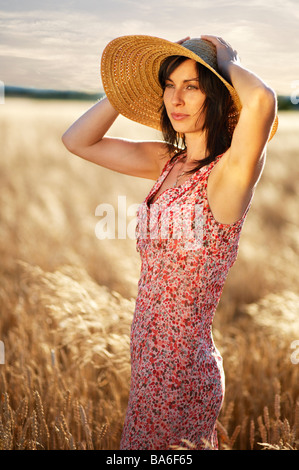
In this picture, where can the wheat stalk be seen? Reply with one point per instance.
(86, 428)
(252, 434)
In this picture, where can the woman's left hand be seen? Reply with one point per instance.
(225, 53)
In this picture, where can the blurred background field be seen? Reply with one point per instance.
(67, 298)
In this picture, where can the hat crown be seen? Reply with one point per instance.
(204, 49)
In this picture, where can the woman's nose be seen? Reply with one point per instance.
(177, 97)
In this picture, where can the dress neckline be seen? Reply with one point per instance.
(166, 171)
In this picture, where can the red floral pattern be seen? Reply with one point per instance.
(177, 378)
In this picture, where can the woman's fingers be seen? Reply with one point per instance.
(225, 54)
(216, 40)
(224, 49)
(183, 40)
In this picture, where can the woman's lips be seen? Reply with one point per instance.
(178, 116)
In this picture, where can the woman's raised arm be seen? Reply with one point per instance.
(233, 180)
(257, 115)
(86, 138)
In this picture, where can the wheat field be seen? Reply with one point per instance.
(67, 297)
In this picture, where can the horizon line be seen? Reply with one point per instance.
(284, 101)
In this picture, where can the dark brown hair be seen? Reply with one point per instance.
(217, 107)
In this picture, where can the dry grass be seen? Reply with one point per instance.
(67, 298)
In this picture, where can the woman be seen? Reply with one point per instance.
(216, 118)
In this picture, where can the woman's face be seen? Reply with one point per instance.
(183, 99)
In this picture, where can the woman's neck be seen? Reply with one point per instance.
(196, 144)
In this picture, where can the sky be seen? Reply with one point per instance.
(58, 44)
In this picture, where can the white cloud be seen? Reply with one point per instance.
(61, 43)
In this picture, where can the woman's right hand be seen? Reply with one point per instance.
(86, 138)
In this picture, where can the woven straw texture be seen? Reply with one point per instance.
(130, 67)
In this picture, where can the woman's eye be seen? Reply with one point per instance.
(188, 87)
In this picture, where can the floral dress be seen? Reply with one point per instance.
(177, 379)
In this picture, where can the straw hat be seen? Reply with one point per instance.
(130, 68)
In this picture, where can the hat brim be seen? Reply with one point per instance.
(130, 68)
